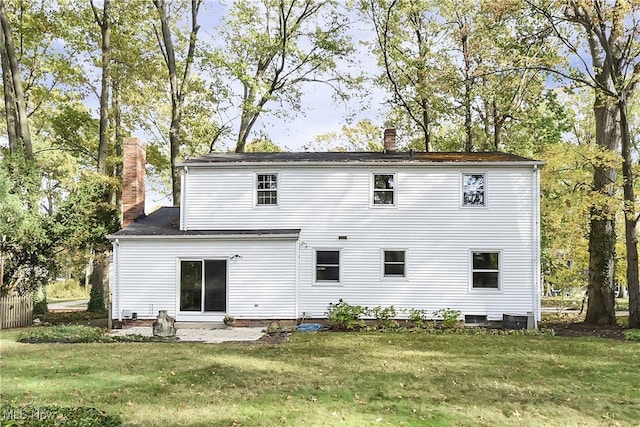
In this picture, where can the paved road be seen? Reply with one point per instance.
(76, 305)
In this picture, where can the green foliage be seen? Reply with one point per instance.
(62, 333)
(26, 238)
(40, 302)
(86, 216)
(355, 375)
(263, 145)
(363, 136)
(54, 416)
(632, 335)
(385, 318)
(346, 316)
(66, 290)
(566, 209)
(75, 334)
(71, 317)
(418, 317)
(449, 317)
(458, 72)
(271, 49)
(96, 300)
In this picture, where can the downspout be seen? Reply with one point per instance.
(116, 279)
(183, 198)
(296, 284)
(536, 245)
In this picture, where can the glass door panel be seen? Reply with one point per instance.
(215, 285)
(190, 285)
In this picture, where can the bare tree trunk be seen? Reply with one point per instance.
(117, 125)
(243, 132)
(105, 28)
(178, 86)
(602, 236)
(630, 220)
(24, 135)
(497, 126)
(468, 145)
(9, 98)
(97, 296)
(426, 125)
(2, 243)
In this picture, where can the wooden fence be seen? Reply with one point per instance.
(16, 311)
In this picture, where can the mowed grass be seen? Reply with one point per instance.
(327, 379)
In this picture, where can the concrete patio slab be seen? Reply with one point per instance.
(200, 335)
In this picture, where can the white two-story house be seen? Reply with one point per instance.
(283, 235)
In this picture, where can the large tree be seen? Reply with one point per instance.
(15, 103)
(179, 80)
(407, 35)
(608, 33)
(104, 22)
(275, 47)
(456, 70)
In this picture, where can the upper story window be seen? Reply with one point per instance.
(473, 189)
(485, 270)
(267, 189)
(384, 189)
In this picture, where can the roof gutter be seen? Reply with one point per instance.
(294, 164)
(290, 236)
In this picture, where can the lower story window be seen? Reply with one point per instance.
(485, 270)
(328, 266)
(394, 263)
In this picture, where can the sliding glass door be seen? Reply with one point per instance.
(203, 285)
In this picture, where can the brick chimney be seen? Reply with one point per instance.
(134, 161)
(389, 140)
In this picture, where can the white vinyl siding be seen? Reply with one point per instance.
(329, 202)
(261, 281)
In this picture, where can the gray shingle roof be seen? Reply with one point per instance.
(350, 157)
(166, 222)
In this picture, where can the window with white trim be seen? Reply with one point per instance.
(485, 270)
(267, 189)
(473, 189)
(384, 189)
(394, 263)
(328, 266)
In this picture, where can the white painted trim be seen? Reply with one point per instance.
(181, 315)
(404, 278)
(183, 196)
(116, 291)
(486, 189)
(351, 164)
(535, 259)
(210, 237)
(500, 271)
(296, 283)
(255, 189)
(372, 190)
(340, 267)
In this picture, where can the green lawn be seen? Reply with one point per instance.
(326, 379)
